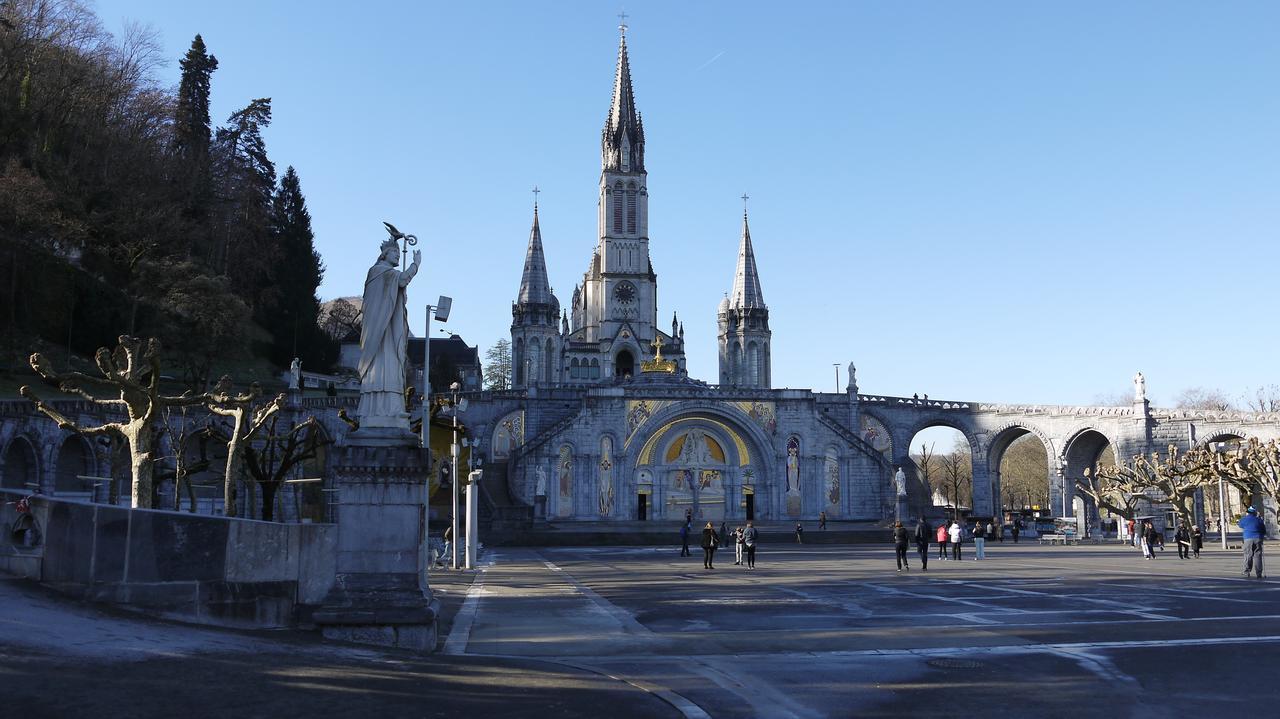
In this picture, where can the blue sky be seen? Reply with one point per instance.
(987, 201)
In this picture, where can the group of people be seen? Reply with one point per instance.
(744, 541)
(1189, 538)
(950, 536)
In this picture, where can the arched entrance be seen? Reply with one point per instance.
(1018, 461)
(20, 469)
(940, 460)
(705, 466)
(1087, 449)
(624, 365)
(74, 462)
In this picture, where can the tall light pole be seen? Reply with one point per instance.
(837, 366)
(453, 473)
(441, 308)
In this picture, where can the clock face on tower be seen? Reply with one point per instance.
(624, 293)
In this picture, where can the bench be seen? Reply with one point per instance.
(1064, 539)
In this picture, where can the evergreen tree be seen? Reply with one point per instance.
(192, 132)
(245, 179)
(294, 324)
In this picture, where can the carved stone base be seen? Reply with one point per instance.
(793, 505)
(380, 593)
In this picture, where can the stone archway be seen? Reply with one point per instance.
(1002, 439)
(75, 460)
(624, 365)
(21, 467)
(704, 461)
(1082, 450)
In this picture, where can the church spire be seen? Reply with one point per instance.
(746, 280)
(534, 286)
(622, 141)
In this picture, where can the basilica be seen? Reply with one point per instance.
(603, 421)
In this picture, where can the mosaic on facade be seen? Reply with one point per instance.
(564, 482)
(606, 494)
(508, 435)
(792, 495)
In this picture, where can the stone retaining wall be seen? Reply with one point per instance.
(196, 568)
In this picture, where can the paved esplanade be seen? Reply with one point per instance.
(835, 631)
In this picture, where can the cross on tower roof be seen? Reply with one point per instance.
(745, 197)
(657, 347)
(622, 22)
(535, 196)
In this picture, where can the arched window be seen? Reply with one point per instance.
(548, 362)
(617, 207)
(631, 209)
(753, 365)
(595, 369)
(517, 363)
(574, 369)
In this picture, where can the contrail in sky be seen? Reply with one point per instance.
(708, 62)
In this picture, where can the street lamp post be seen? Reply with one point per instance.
(453, 474)
(837, 366)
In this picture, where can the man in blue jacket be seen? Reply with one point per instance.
(1254, 530)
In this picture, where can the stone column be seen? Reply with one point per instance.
(380, 593)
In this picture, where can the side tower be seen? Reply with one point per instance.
(743, 321)
(536, 342)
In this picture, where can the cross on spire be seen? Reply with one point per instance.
(535, 196)
(622, 22)
(745, 197)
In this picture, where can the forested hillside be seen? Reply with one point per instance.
(124, 210)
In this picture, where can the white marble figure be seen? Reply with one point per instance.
(695, 452)
(853, 378)
(1139, 388)
(900, 479)
(540, 486)
(384, 340)
(295, 374)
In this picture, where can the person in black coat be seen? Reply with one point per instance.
(900, 546)
(924, 535)
(1183, 539)
(710, 540)
(1197, 540)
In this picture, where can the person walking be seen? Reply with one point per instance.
(709, 542)
(996, 530)
(957, 534)
(737, 546)
(1133, 536)
(979, 541)
(942, 540)
(924, 535)
(1017, 527)
(1148, 532)
(900, 546)
(446, 555)
(684, 539)
(822, 521)
(799, 533)
(1254, 531)
(724, 535)
(1183, 538)
(749, 537)
(1197, 540)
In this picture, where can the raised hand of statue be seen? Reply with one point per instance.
(417, 257)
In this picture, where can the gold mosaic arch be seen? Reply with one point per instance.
(647, 451)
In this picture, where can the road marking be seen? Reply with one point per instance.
(620, 615)
(460, 634)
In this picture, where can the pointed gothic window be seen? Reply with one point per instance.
(617, 208)
(631, 211)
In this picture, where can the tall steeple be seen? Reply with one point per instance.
(743, 322)
(746, 281)
(622, 141)
(534, 286)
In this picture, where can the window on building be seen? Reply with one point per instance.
(631, 210)
(617, 208)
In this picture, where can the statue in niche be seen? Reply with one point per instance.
(793, 465)
(540, 485)
(696, 450)
(384, 340)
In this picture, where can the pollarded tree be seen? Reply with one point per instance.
(1253, 466)
(1176, 476)
(1113, 491)
(247, 419)
(130, 381)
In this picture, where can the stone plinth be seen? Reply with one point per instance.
(380, 593)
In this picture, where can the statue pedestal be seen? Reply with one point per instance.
(380, 593)
(903, 511)
(540, 508)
